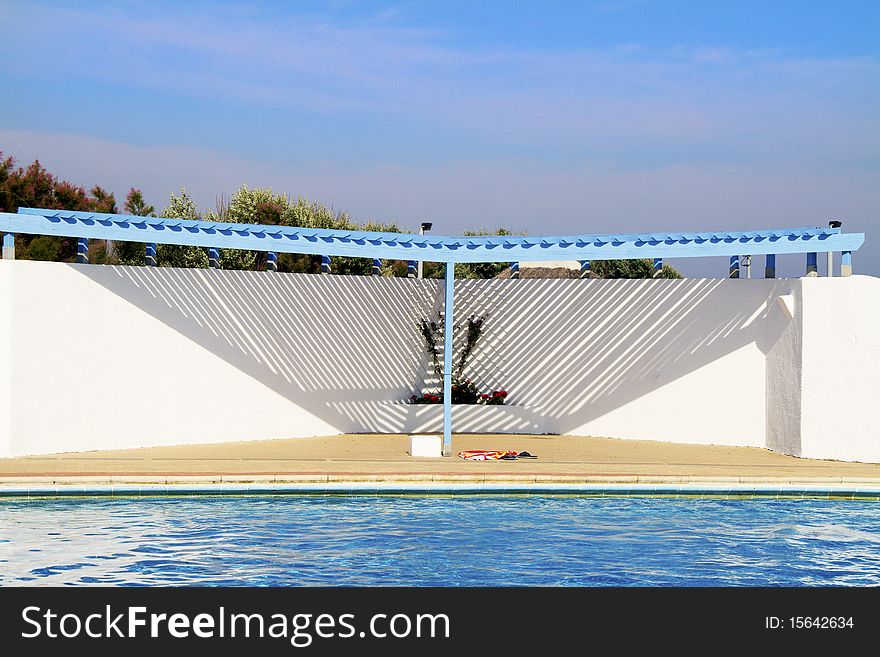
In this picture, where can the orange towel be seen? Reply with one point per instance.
(486, 454)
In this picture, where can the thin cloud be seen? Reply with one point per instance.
(512, 96)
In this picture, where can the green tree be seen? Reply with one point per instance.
(248, 206)
(135, 204)
(263, 206)
(133, 253)
(7, 166)
(181, 206)
(42, 247)
(254, 206)
(478, 269)
(33, 186)
(100, 200)
(364, 266)
(102, 252)
(641, 268)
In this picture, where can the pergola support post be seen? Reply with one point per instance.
(214, 258)
(377, 267)
(770, 265)
(448, 320)
(812, 264)
(271, 261)
(585, 269)
(82, 250)
(846, 263)
(514, 270)
(412, 269)
(8, 246)
(325, 264)
(733, 271)
(150, 259)
(658, 267)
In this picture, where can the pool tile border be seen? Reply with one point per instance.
(97, 487)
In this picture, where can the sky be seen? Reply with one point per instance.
(543, 117)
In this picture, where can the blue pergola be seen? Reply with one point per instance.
(274, 239)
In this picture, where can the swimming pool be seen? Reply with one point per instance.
(440, 541)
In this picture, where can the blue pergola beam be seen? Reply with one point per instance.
(401, 246)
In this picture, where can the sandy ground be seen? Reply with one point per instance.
(385, 457)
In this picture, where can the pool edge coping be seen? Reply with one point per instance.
(424, 479)
(835, 489)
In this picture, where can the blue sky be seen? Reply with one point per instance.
(556, 117)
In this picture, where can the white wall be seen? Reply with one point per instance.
(108, 357)
(840, 416)
(783, 370)
(97, 357)
(6, 311)
(681, 361)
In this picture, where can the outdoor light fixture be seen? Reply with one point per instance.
(830, 255)
(425, 227)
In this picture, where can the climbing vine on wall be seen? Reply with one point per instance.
(464, 391)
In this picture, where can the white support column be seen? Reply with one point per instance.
(447, 358)
(846, 263)
(8, 246)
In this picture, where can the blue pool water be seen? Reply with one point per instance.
(496, 541)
